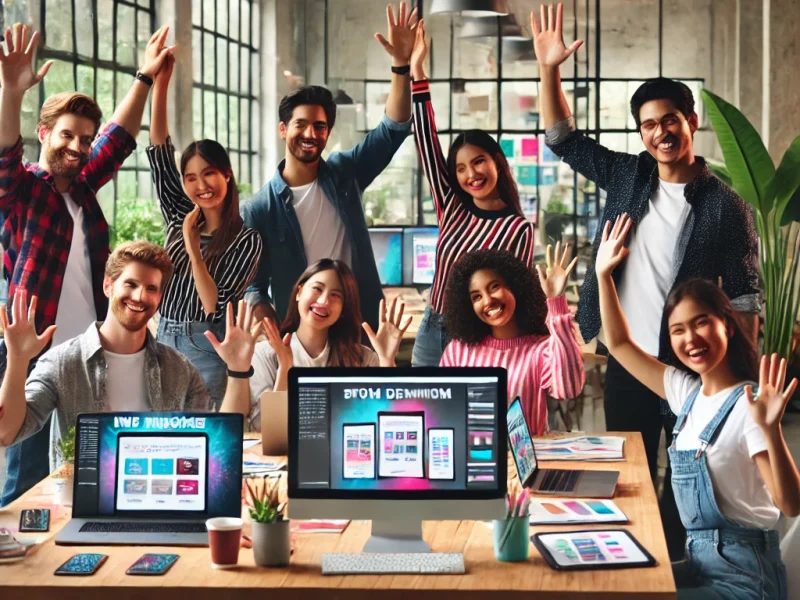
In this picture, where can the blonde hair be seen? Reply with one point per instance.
(142, 252)
(69, 103)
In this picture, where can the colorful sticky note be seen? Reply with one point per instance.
(548, 156)
(548, 175)
(507, 146)
(527, 175)
(530, 147)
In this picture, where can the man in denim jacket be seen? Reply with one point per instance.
(311, 209)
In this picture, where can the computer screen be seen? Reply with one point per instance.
(420, 255)
(165, 464)
(379, 433)
(387, 246)
(520, 442)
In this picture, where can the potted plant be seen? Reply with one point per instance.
(65, 449)
(270, 529)
(774, 194)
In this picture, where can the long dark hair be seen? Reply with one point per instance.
(344, 336)
(459, 316)
(214, 154)
(742, 356)
(506, 186)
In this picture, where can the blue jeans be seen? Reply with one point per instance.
(431, 340)
(189, 340)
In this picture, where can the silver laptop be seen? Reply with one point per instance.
(153, 478)
(274, 423)
(573, 483)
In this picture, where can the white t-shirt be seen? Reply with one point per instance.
(323, 231)
(648, 274)
(127, 389)
(76, 308)
(739, 489)
(265, 367)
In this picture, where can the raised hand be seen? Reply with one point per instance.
(553, 279)
(548, 39)
(191, 233)
(165, 73)
(281, 347)
(16, 63)
(236, 350)
(768, 406)
(401, 34)
(612, 250)
(419, 52)
(156, 53)
(20, 336)
(390, 332)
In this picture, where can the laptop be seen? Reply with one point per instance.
(274, 423)
(153, 478)
(571, 483)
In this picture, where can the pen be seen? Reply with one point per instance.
(518, 504)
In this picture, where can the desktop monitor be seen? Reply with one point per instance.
(419, 246)
(397, 446)
(387, 246)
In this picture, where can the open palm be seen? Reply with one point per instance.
(401, 33)
(390, 332)
(553, 278)
(768, 406)
(548, 39)
(20, 335)
(612, 250)
(236, 350)
(16, 65)
(281, 346)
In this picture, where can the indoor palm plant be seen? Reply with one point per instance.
(270, 529)
(774, 194)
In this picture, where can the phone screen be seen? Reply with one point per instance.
(82, 564)
(152, 564)
(34, 519)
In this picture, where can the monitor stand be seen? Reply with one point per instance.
(397, 535)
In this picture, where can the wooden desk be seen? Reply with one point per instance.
(192, 577)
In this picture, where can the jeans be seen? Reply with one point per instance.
(431, 340)
(189, 340)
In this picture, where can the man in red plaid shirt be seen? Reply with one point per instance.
(53, 231)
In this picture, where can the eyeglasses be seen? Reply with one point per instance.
(649, 126)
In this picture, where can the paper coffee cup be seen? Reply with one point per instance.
(224, 537)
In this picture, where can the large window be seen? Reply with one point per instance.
(226, 76)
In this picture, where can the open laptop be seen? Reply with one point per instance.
(558, 482)
(274, 423)
(153, 478)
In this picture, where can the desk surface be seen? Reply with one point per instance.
(33, 578)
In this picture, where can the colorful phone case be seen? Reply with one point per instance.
(152, 564)
(82, 564)
(34, 519)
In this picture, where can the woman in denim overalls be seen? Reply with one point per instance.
(725, 558)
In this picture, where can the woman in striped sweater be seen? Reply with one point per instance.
(214, 255)
(498, 316)
(476, 201)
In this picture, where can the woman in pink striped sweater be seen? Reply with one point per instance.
(497, 316)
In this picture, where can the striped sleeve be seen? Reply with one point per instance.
(237, 269)
(561, 369)
(175, 205)
(430, 151)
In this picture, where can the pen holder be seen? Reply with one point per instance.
(511, 539)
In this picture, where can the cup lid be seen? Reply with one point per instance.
(224, 524)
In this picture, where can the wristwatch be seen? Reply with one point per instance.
(405, 70)
(146, 79)
(242, 374)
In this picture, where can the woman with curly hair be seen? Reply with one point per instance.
(498, 316)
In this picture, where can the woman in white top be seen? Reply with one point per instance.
(732, 473)
(322, 329)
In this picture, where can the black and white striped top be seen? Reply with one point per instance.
(232, 271)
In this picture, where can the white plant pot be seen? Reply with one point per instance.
(271, 545)
(65, 486)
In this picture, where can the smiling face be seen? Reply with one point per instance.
(492, 300)
(476, 172)
(666, 132)
(66, 147)
(320, 300)
(205, 185)
(134, 296)
(306, 134)
(699, 338)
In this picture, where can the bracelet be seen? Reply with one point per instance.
(402, 70)
(242, 374)
(146, 79)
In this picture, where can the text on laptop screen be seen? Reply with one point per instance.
(393, 433)
(158, 463)
(520, 442)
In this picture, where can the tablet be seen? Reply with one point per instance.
(592, 549)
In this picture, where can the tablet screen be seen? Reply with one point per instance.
(520, 442)
(593, 548)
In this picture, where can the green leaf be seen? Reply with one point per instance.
(786, 183)
(720, 171)
(746, 158)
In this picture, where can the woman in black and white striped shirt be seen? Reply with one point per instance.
(214, 255)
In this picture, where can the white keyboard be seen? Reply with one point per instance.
(420, 563)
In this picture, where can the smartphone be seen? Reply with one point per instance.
(82, 564)
(34, 519)
(152, 564)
